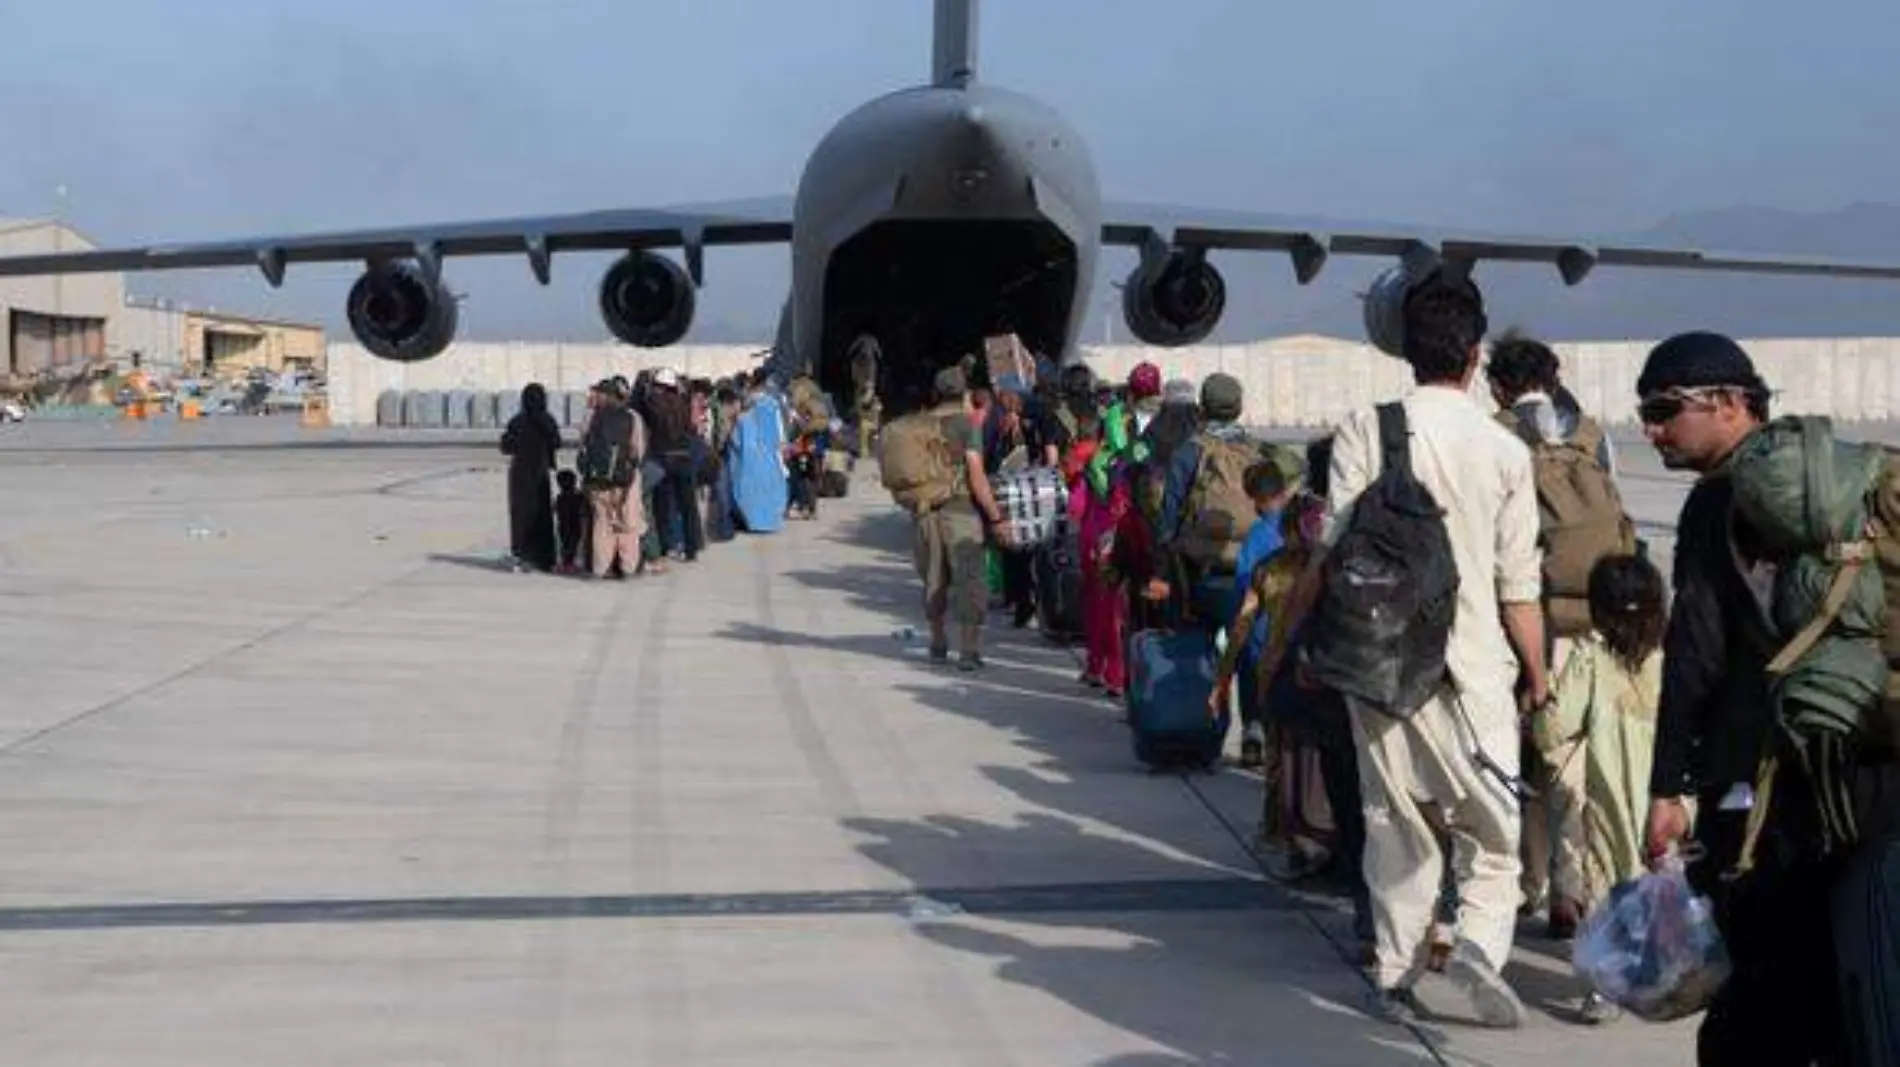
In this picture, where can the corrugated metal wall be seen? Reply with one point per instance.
(38, 342)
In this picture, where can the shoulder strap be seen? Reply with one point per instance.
(1394, 440)
(1513, 420)
(1850, 556)
(1587, 436)
(1191, 504)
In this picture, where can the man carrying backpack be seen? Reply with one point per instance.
(1424, 604)
(611, 449)
(1205, 511)
(1701, 401)
(1581, 514)
(933, 465)
(1581, 520)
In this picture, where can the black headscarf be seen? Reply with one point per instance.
(532, 436)
(534, 399)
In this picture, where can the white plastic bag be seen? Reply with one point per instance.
(1652, 947)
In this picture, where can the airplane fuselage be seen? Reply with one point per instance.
(933, 217)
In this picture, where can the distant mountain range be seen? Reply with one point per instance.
(1619, 303)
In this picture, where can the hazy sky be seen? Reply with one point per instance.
(174, 119)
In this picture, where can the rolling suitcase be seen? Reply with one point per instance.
(1170, 676)
(1059, 588)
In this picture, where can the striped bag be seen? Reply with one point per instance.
(1035, 506)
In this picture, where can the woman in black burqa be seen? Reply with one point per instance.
(532, 440)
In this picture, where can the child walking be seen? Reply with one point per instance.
(571, 516)
(1603, 711)
(1265, 603)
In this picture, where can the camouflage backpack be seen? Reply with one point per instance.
(1219, 512)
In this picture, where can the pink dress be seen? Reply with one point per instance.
(1104, 605)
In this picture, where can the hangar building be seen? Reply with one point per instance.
(62, 323)
(54, 322)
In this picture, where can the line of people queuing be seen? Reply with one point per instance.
(1575, 726)
(664, 466)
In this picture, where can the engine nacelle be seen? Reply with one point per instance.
(397, 313)
(1180, 307)
(1385, 300)
(1385, 309)
(647, 300)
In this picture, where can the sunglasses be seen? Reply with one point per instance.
(1656, 410)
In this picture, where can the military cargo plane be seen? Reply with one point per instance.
(928, 218)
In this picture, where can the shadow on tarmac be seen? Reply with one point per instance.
(1227, 986)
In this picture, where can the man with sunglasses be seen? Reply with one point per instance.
(1700, 399)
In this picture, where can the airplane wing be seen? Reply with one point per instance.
(690, 229)
(1310, 243)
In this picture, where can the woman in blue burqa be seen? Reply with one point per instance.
(756, 455)
(532, 441)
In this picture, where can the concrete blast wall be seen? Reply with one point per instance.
(357, 378)
(1292, 382)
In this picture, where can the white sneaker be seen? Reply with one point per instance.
(1490, 994)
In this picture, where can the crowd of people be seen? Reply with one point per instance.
(664, 465)
(1474, 699)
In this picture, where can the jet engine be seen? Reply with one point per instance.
(1181, 306)
(397, 312)
(1385, 300)
(1385, 309)
(647, 300)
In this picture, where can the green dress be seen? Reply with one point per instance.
(1598, 701)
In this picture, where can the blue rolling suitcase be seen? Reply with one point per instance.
(1170, 675)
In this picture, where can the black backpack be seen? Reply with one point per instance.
(1389, 590)
(607, 459)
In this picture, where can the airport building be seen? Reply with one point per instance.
(209, 343)
(60, 324)
(55, 322)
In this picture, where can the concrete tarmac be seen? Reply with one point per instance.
(292, 772)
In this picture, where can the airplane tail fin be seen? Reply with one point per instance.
(953, 44)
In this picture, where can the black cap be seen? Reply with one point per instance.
(1697, 360)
